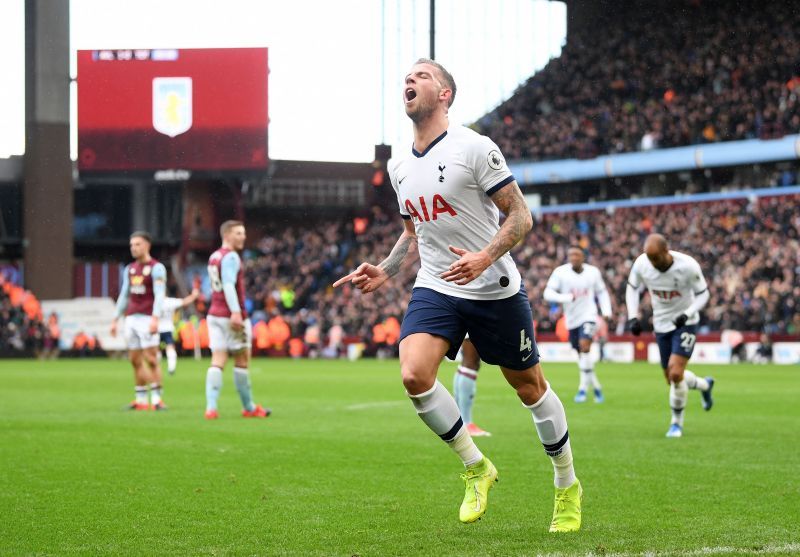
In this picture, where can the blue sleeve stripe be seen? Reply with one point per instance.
(504, 182)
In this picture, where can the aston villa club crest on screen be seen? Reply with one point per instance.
(167, 110)
(172, 105)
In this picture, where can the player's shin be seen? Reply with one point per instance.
(155, 394)
(213, 387)
(437, 408)
(464, 387)
(141, 395)
(551, 425)
(172, 358)
(678, 393)
(241, 377)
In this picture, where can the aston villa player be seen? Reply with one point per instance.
(140, 302)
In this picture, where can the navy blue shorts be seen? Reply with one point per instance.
(167, 338)
(680, 341)
(586, 330)
(501, 330)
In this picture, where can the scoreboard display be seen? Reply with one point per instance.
(189, 110)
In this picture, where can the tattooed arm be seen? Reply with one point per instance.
(517, 224)
(518, 221)
(369, 278)
(391, 265)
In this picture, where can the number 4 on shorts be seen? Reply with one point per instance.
(525, 344)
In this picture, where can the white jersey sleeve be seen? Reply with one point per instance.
(393, 179)
(696, 278)
(554, 282)
(489, 168)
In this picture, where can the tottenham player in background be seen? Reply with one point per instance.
(678, 292)
(229, 329)
(166, 326)
(450, 186)
(144, 286)
(576, 285)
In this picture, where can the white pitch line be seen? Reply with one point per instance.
(784, 549)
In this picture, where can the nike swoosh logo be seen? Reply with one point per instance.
(526, 357)
(400, 181)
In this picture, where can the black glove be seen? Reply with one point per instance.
(681, 320)
(635, 327)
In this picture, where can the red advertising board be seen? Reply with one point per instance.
(167, 109)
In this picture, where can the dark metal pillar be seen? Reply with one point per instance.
(48, 196)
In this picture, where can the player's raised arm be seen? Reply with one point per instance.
(122, 299)
(191, 298)
(368, 277)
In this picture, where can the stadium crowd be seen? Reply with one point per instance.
(22, 327)
(663, 76)
(749, 250)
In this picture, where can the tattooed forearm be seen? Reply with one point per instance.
(518, 221)
(392, 263)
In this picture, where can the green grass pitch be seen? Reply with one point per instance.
(344, 466)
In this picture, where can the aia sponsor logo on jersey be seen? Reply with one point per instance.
(580, 292)
(438, 206)
(666, 295)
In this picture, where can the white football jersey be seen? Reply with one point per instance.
(445, 191)
(165, 322)
(671, 292)
(584, 287)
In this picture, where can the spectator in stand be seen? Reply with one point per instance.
(657, 78)
(22, 330)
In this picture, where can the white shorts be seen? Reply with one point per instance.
(221, 337)
(137, 333)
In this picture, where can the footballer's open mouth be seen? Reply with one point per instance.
(410, 94)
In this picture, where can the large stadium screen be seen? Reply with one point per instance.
(172, 109)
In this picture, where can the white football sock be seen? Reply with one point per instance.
(586, 365)
(551, 425)
(438, 409)
(172, 358)
(241, 377)
(464, 387)
(678, 393)
(695, 382)
(585, 380)
(141, 394)
(155, 393)
(213, 387)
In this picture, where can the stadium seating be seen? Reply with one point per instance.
(660, 77)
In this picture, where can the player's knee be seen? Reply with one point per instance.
(530, 393)
(675, 373)
(471, 363)
(416, 380)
